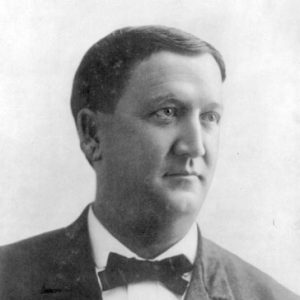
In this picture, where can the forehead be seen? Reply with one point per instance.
(169, 73)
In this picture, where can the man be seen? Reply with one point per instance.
(147, 103)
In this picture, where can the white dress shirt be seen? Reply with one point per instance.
(103, 243)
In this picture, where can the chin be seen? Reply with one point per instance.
(183, 203)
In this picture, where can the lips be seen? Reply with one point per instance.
(184, 174)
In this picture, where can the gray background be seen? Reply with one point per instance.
(253, 207)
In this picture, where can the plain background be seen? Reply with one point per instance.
(253, 207)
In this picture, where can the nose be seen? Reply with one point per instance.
(190, 140)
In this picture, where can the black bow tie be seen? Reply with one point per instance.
(121, 271)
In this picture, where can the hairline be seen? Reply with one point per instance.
(194, 47)
(135, 64)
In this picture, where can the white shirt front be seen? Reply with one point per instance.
(103, 243)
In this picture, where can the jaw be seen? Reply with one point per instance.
(149, 225)
(147, 233)
(152, 239)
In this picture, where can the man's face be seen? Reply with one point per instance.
(160, 148)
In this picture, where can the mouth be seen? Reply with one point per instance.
(184, 174)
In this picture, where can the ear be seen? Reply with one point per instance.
(87, 127)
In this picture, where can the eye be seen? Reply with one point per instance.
(166, 113)
(211, 117)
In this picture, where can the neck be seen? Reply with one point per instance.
(146, 236)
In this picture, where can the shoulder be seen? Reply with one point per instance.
(24, 265)
(31, 249)
(44, 247)
(245, 280)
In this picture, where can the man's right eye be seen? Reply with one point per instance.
(166, 113)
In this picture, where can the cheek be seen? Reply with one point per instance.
(145, 139)
(138, 148)
(212, 148)
(149, 150)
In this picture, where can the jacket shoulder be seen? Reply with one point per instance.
(245, 280)
(30, 266)
(32, 250)
(25, 264)
(29, 246)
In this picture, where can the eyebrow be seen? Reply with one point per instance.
(171, 98)
(154, 103)
(163, 98)
(215, 105)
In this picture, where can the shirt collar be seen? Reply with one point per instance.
(102, 243)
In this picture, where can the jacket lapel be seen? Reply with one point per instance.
(74, 276)
(209, 278)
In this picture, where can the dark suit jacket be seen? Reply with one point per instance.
(59, 265)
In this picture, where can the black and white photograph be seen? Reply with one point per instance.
(150, 149)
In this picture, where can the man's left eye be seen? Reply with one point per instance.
(211, 116)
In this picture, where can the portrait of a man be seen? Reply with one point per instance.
(147, 103)
(149, 151)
